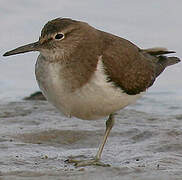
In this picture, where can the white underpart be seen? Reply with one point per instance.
(94, 100)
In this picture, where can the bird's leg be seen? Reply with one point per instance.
(96, 160)
(109, 125)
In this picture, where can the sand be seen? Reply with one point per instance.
(35, 141)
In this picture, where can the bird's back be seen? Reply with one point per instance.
(131, 68)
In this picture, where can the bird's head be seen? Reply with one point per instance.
(59, 38)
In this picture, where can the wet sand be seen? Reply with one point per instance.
(35, 141)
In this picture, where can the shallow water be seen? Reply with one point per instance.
(35, 140)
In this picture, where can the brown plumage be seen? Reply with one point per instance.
(127, 66)
(89, 74)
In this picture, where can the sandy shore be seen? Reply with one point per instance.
(35, 141)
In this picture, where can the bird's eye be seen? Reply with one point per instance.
(59, 36)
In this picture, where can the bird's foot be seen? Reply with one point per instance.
(89, 162)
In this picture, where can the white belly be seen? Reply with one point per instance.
(96, 99)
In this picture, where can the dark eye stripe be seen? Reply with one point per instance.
(44, 41)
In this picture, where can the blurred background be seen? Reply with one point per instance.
(148, 24)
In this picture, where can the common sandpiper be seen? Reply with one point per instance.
(89, 74)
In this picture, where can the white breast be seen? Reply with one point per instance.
(94, 100)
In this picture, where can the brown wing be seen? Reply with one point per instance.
(130, 68)
(126, 66)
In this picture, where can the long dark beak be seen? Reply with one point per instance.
(23, 49)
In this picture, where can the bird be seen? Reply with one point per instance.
(91, 74)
